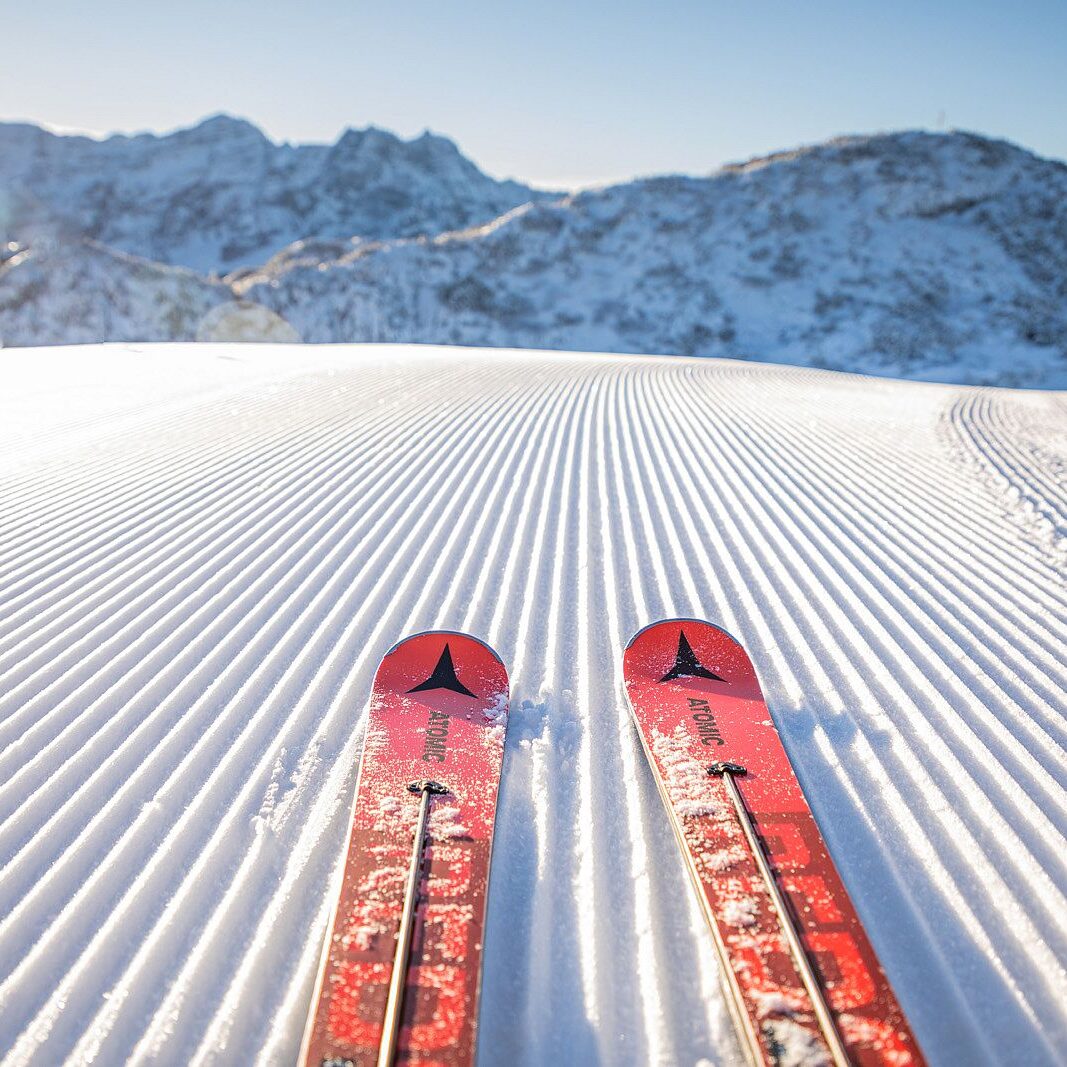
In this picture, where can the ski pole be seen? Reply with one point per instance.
(395, 1000)
(727, 772)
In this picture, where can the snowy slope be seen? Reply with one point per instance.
(74, 292)
(93, 291)
(207, 549)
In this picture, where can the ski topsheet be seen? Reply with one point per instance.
(748, 836)
(417, 868)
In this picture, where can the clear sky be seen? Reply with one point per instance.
(552, 92)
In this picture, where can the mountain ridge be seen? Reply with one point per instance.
(911, 254)
(221, 195)
(908, 254)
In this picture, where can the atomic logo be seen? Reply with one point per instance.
(686, 664)
(443, 677)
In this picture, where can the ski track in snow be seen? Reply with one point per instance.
(205, 550)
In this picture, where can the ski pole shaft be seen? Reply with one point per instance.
(838, 1055)
(395, 1000)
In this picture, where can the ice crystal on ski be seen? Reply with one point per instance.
(740, 911)
(497, 712)
(724, 858)
(494, 737)
(362, 937)
(394, 817)
(876, 1036)
(445, 823)
(690, 787)
(381, 879)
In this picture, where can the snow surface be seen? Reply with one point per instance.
(206, 550)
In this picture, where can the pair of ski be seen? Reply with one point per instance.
(399, 979)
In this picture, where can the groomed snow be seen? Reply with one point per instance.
(205, 550)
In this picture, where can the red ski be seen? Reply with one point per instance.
(400, 969)
(801, 978)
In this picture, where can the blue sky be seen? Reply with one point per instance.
(555, 93)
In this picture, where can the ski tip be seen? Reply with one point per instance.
(446, 633)
(682, 622)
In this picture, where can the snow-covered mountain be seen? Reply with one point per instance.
(221, 195)
(76, 291)
(934, 256)
(914, 255)
(73, 292)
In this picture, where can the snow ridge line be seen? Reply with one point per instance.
(134, 978)
(523, 817)
(190, 543)
(798, 591)
(182, 743)
(1004, 431)
(989, 428)
(13, 922)
(109, 659)
(207, 479)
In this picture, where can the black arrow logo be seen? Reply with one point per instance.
(686, 664)
(443, 677)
